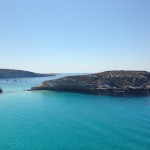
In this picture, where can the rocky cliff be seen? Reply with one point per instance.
(9, 73)
(109, 82)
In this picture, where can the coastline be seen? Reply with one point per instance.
(116, 83)
(13, 73)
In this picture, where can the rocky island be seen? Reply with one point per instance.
(107, 83)
(11, 73)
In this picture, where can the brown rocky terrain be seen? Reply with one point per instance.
(109, 83)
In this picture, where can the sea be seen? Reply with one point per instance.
(47, 120)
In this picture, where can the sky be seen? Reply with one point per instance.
(75, 36)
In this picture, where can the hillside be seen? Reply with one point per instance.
(109, 83)
(10, 73)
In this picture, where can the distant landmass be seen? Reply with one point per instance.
(11, 73)
(107, 83)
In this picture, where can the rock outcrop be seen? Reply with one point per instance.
(9, 73)
(108, 83)
(1, 90)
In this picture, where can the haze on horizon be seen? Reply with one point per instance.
(75, 36)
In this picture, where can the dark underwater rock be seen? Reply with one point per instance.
(1, 90)
(106, 83)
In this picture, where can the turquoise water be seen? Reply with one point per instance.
(44, 120)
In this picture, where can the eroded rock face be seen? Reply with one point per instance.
(109, 82)
(1, 90)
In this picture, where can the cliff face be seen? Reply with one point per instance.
(109, 82)
(9, 73)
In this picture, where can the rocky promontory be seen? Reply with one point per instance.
(108, 83)
(11, 73)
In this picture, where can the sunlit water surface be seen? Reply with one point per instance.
(43, 120)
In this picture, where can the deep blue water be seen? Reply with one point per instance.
(43, 120)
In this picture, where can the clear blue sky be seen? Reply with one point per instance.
(75, 35)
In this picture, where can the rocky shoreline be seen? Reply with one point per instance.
(105, 83)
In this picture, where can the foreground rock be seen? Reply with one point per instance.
(1, 90)
(9, 73)
(109, 82)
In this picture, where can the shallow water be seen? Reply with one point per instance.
(42, 120)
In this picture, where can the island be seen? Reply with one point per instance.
(1, 90)
(106, 83)
(11, 73)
